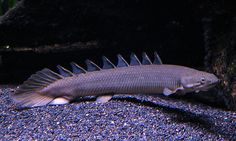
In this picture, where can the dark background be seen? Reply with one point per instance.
(171, 28)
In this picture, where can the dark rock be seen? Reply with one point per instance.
(219, 25)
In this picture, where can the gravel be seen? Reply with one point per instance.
(123, 118)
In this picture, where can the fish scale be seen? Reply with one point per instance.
(47, 87)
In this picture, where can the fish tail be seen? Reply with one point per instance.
(28, 94)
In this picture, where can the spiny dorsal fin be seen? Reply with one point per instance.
(91, 66)
(107, 64)
(121, 61)
(28, 94)
(51, 73)
(157, 59)
(134, 60)
(146, 60)
(76, 68)
(64, 72)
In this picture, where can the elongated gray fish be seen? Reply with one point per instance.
(138, 77)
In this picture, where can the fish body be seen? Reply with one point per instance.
(46, 87)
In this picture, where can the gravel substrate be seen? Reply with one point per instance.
(123, 118)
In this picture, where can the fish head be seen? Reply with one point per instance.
(199, 81)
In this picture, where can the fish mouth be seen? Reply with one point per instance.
(208, 86)
(212, 84)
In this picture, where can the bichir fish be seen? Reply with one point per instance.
(138, 77)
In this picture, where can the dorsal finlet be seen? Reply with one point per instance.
(107, 64)
(134, 60)
(157, 59)
(91, 66)
(76, 68)
(121, 61)
(64, 72)
(146, 60)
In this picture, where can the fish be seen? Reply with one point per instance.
(47, 87)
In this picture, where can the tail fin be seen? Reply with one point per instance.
(28, 94)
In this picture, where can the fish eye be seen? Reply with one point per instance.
(203, 80)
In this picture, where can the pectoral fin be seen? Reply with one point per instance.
(103, 99)
(168, 91)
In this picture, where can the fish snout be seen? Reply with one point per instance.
(215, 80)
